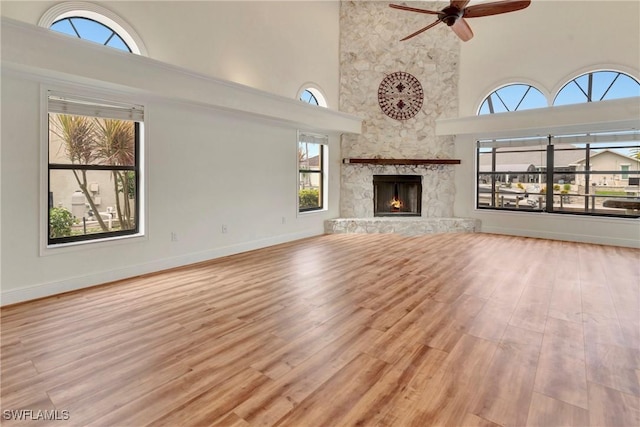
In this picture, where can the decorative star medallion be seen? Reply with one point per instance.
(400, 95)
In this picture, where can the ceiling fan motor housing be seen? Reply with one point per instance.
(450, 14)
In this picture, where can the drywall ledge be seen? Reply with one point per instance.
(602, 116)
(30, 50)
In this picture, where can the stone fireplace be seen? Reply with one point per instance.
(369, 51)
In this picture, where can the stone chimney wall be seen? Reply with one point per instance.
(369, 50)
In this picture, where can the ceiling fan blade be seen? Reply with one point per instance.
(460, 4)
(422, 30)
(413, 9)
(462, 30)
(495, 8)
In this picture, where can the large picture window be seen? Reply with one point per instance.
(311, 172)
(94, 170)
(592, 174)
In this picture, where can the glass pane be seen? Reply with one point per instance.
(107, 204)
(514, 97)
(118, 43)
(310, 190)
(624, 87)
(91, 141)
(64, 26)
(309, 156)
(605, 85)
(308, 97)
(92, 30)
(516, 182)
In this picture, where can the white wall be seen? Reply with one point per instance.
(275, 46)
(217, 153)
(546, 45)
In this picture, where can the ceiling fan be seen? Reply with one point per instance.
(454, 15)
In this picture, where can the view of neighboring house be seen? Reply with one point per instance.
(529, 164)
(617, 168)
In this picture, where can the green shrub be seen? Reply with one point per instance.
(556, 187)
(60, 222)
(567, 187)
(309, 198)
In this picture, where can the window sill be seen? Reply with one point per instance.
(64, 248)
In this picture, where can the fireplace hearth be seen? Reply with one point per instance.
(397, 195)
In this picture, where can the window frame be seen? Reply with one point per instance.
(544, 197)
(316, 93)
(47, 246)
(589, 94)
(99, 14)
(323, 142)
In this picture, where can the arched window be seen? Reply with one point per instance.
(513, 97)
(94, 23)
(308, 97)
(89, 29)
(312, 95)
(598, 86)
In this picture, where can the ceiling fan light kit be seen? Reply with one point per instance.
(454, 15)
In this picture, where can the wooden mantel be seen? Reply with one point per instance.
(403, 161)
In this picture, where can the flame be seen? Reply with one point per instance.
(395, 203)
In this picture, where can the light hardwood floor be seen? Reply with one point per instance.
(340, 330)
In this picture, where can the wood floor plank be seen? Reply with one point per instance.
(561, 372)
(548, 412)
(507, 386)
(364, 330)
(608, 407)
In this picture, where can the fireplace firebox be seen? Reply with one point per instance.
(397, 195)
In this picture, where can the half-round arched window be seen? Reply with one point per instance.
(308, 97)
(312, 95)
(513, 97)
(94, 23)
(598, 86)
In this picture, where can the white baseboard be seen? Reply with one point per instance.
(14, 296)
(570, 237)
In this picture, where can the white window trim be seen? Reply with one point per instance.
(99, 14)
(77, 92)
(323, 140)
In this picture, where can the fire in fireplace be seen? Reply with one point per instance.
(397, 195)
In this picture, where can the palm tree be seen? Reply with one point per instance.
(79, 135)
(115, 146)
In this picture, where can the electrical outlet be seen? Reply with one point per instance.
(174, 236)
(224, 228)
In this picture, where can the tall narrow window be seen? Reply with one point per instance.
(93, 169)
(311, 175)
